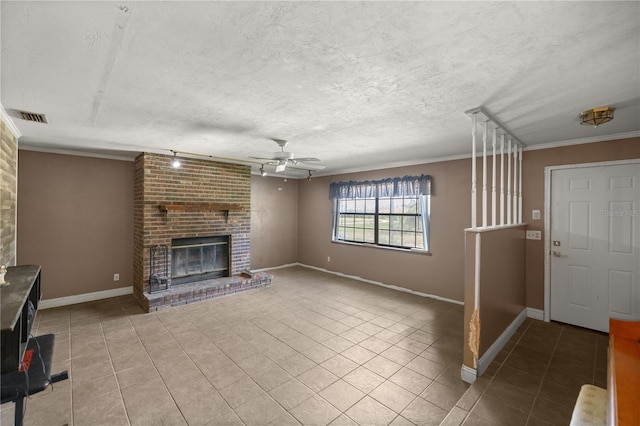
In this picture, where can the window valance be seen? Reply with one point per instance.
(390, 187)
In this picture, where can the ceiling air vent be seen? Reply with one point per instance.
(30, 116)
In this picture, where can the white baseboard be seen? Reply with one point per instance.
(86, 297)
(468, 374)
(392, 287)
(535, 314)
(497, 346)
(287, 265)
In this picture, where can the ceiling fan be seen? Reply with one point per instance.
(282, 158)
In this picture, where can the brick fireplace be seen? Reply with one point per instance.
(200, 199)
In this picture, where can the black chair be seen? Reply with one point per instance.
(34, 375)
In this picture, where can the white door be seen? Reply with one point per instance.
(595, 254)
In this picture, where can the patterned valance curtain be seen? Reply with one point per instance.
(391, 187)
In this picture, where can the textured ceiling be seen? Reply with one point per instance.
(358, 85)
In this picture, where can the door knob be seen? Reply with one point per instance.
(557, 254)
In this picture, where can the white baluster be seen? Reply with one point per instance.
(474, 196)
(484, 175)
(520, 189)
(493, 180)
(509, 182)
(515, 183)
(502, 179)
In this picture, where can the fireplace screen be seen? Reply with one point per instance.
(200, 258)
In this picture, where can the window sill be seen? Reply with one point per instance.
(374, 246)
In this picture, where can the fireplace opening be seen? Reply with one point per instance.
(199, 258)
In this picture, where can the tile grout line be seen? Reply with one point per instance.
(154, 365)
(544, 375)
(115, 376)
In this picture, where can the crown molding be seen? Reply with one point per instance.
(9, 122)
(62, 151)
(603, 138)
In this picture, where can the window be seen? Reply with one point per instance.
(388, 213)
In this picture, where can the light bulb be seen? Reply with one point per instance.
(175, 163)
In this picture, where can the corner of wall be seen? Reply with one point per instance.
(9, 135)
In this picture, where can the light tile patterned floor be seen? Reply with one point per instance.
(313, 349)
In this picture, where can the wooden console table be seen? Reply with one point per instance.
(623, 372)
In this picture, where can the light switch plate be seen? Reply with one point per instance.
(534, 235)
(535, 214)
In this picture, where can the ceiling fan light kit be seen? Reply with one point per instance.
(596, 116)
(281, 159)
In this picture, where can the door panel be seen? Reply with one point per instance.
(620, 292)
(579, 225)
(595, 258)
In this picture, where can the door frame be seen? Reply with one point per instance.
(547, 220)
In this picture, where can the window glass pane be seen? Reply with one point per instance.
(383, 221)
(395, 223)
(383, 237)
(409, 223)
(419, 242)
(370, 206)
(359, 205)
(410, 205)
(350, 206)
(384, 205)
(395, 238)
(358, 221)
(370, 221)
(369, 236)
(348, 235)
(396, 205)
(408, 239)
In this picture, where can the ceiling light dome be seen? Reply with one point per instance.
(596, 116)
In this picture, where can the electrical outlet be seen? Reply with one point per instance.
(328, 258)
(534, 235)
(116, 277)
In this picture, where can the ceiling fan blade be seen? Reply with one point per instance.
(307, 159)
(263, 158)
(308, 166)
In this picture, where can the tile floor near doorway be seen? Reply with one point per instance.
(312, 348)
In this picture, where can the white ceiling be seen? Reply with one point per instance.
(360, 85)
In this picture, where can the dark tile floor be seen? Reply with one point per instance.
(312, 349)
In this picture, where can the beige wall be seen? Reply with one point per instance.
(502, 283)
(440, 274)
(533, 166)
(8, 194)
(274, 221)
(75, 219)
